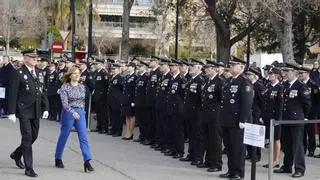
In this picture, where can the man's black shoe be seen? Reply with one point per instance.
(31, 173)
(235, 177)
(195, 163)
(171, 153)
(186, 159)
(158, 148)
(214, 169)
(225, 175)
(248, 157)
(297, 174)
(138, 140)
(146, 142)
(116, 135)
(110, 133)
(178, 156)
(282, 170)
(18, 162)
(203, 165)
(310, 154)
(154, 146)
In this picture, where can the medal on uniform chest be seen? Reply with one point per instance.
(232, 101)
(234, 89)
(293, 93)
(211, 88)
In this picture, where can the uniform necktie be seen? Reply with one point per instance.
(33, 74)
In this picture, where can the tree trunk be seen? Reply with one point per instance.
(300, 38)
(223, 45)
(125, 47)
(283, 29)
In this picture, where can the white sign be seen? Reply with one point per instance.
(64, 34)
(2, 93)
(254, 135)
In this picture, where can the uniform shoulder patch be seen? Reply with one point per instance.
(248, 88)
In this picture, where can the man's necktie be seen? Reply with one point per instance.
(33, 73)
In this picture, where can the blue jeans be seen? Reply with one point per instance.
(67, 122)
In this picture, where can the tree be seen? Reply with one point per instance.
(231, 20)
(125, 47)
(22, 18)
(102, 42)
(295, 27)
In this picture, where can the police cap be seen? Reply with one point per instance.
(236, 60)
(275, 70)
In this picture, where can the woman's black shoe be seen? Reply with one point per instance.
(128, 138)
(59, 163)
(87, 166)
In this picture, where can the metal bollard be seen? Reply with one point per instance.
(270, 170)
(89, 113)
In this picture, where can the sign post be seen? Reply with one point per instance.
(254, 135)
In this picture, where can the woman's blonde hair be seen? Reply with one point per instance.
(66, 77)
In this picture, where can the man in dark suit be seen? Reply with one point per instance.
(236, 105)
(6, 72)
(52, 85)
(26, 100)
(113, 99)
(161, 106)
(296, 106)
(151, 90)
(100, 97)
(140, 100)
(253, 75)
(173, 124)
(191, 105)
(211, 96)
(309, 134)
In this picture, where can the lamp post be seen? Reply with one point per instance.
(177, 31)
(90, 30)
(73, 27)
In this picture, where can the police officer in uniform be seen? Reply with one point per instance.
(173, 124)
(309, 134)
(296, 107)
(52, 86)
(26, 101)
(209, 117)
(100, 95)
(113, 99)
(236, 107)
(151, 90)
(253, 75)
(191, 105)
(273, 105)
(161, 106)
(140, 100)
(127, 101)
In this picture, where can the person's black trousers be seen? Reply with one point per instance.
(213, 144)
(116, 120)
(233, 139)
(176, 135)
(293, 148)
(141, 117)
(309, 139)
(29, 129)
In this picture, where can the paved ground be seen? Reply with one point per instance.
(112, 159)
